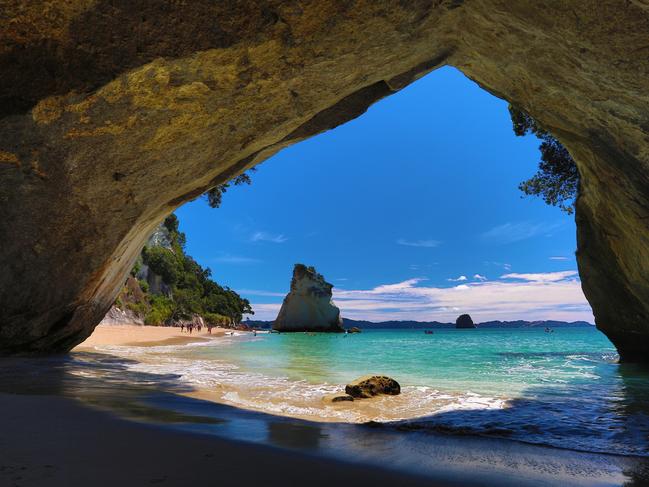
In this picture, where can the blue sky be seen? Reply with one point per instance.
(412, 211)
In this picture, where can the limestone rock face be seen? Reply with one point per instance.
(464, 321)
(117, 316)
(372, 385)
(308, 305)
(112, 114)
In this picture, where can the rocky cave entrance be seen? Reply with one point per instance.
(104, 132)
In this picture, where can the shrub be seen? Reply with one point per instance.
(163, 262)
(143, 285)
(161, 309)
(140, 309)
(557, 180)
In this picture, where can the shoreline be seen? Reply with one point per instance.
(144, 336)
(257, 398)
(230, 388)
(51, 440)
(94, 419)
(58, 442)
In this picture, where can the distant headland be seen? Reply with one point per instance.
(431, 325)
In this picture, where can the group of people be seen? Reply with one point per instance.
(191, 326)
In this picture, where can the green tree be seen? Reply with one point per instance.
(163, 262)
(162, 308)
(192, 289)
(557, 180)
(177, 237)
(215, 195)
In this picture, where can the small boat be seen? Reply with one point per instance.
(428, 332)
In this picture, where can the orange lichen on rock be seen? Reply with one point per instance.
(9, 158)
(48, 110)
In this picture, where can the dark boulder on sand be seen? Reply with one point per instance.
(338, 397)
(373, 385)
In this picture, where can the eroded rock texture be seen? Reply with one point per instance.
(113, 113)
(308, 305)
(372, 385)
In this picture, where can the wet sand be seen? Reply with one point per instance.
(168, 434)
(88, 420)
(56, 442)
(145, 336)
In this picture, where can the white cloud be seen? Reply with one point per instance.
(235, 259)
(558, 257)
(541, 277)
(265, 312)
(540, 296)
(399, 286)
(418, 243)
(526, 296)
(516, 231)
(458, 279)
(557, 298)
(505, 266)
(268, 237)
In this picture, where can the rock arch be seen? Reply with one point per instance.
(115, 112)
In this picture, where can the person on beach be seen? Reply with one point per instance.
(182, 327)
(190, 328)
(209, 329)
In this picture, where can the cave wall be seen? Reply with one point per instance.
(114, 112)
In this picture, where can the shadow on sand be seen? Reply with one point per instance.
(478, 439)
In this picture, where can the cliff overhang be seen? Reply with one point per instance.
(112, 114)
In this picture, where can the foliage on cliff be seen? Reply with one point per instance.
(557, 180)
(215, 195)
(191, 291)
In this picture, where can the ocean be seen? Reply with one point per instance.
(563, 389)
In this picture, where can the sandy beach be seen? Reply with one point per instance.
(145, 336)
(57, 442)
(98, 418)
(61, 442)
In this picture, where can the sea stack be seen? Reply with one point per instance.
(464, 321)
(308, 305)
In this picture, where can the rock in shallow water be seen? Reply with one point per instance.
(308, 306)
(373, 385)
(338, 397)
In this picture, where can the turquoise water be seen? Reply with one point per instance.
(484, 361)
(563, 389)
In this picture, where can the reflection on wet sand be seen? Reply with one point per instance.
(105, 382)
(295, 435)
